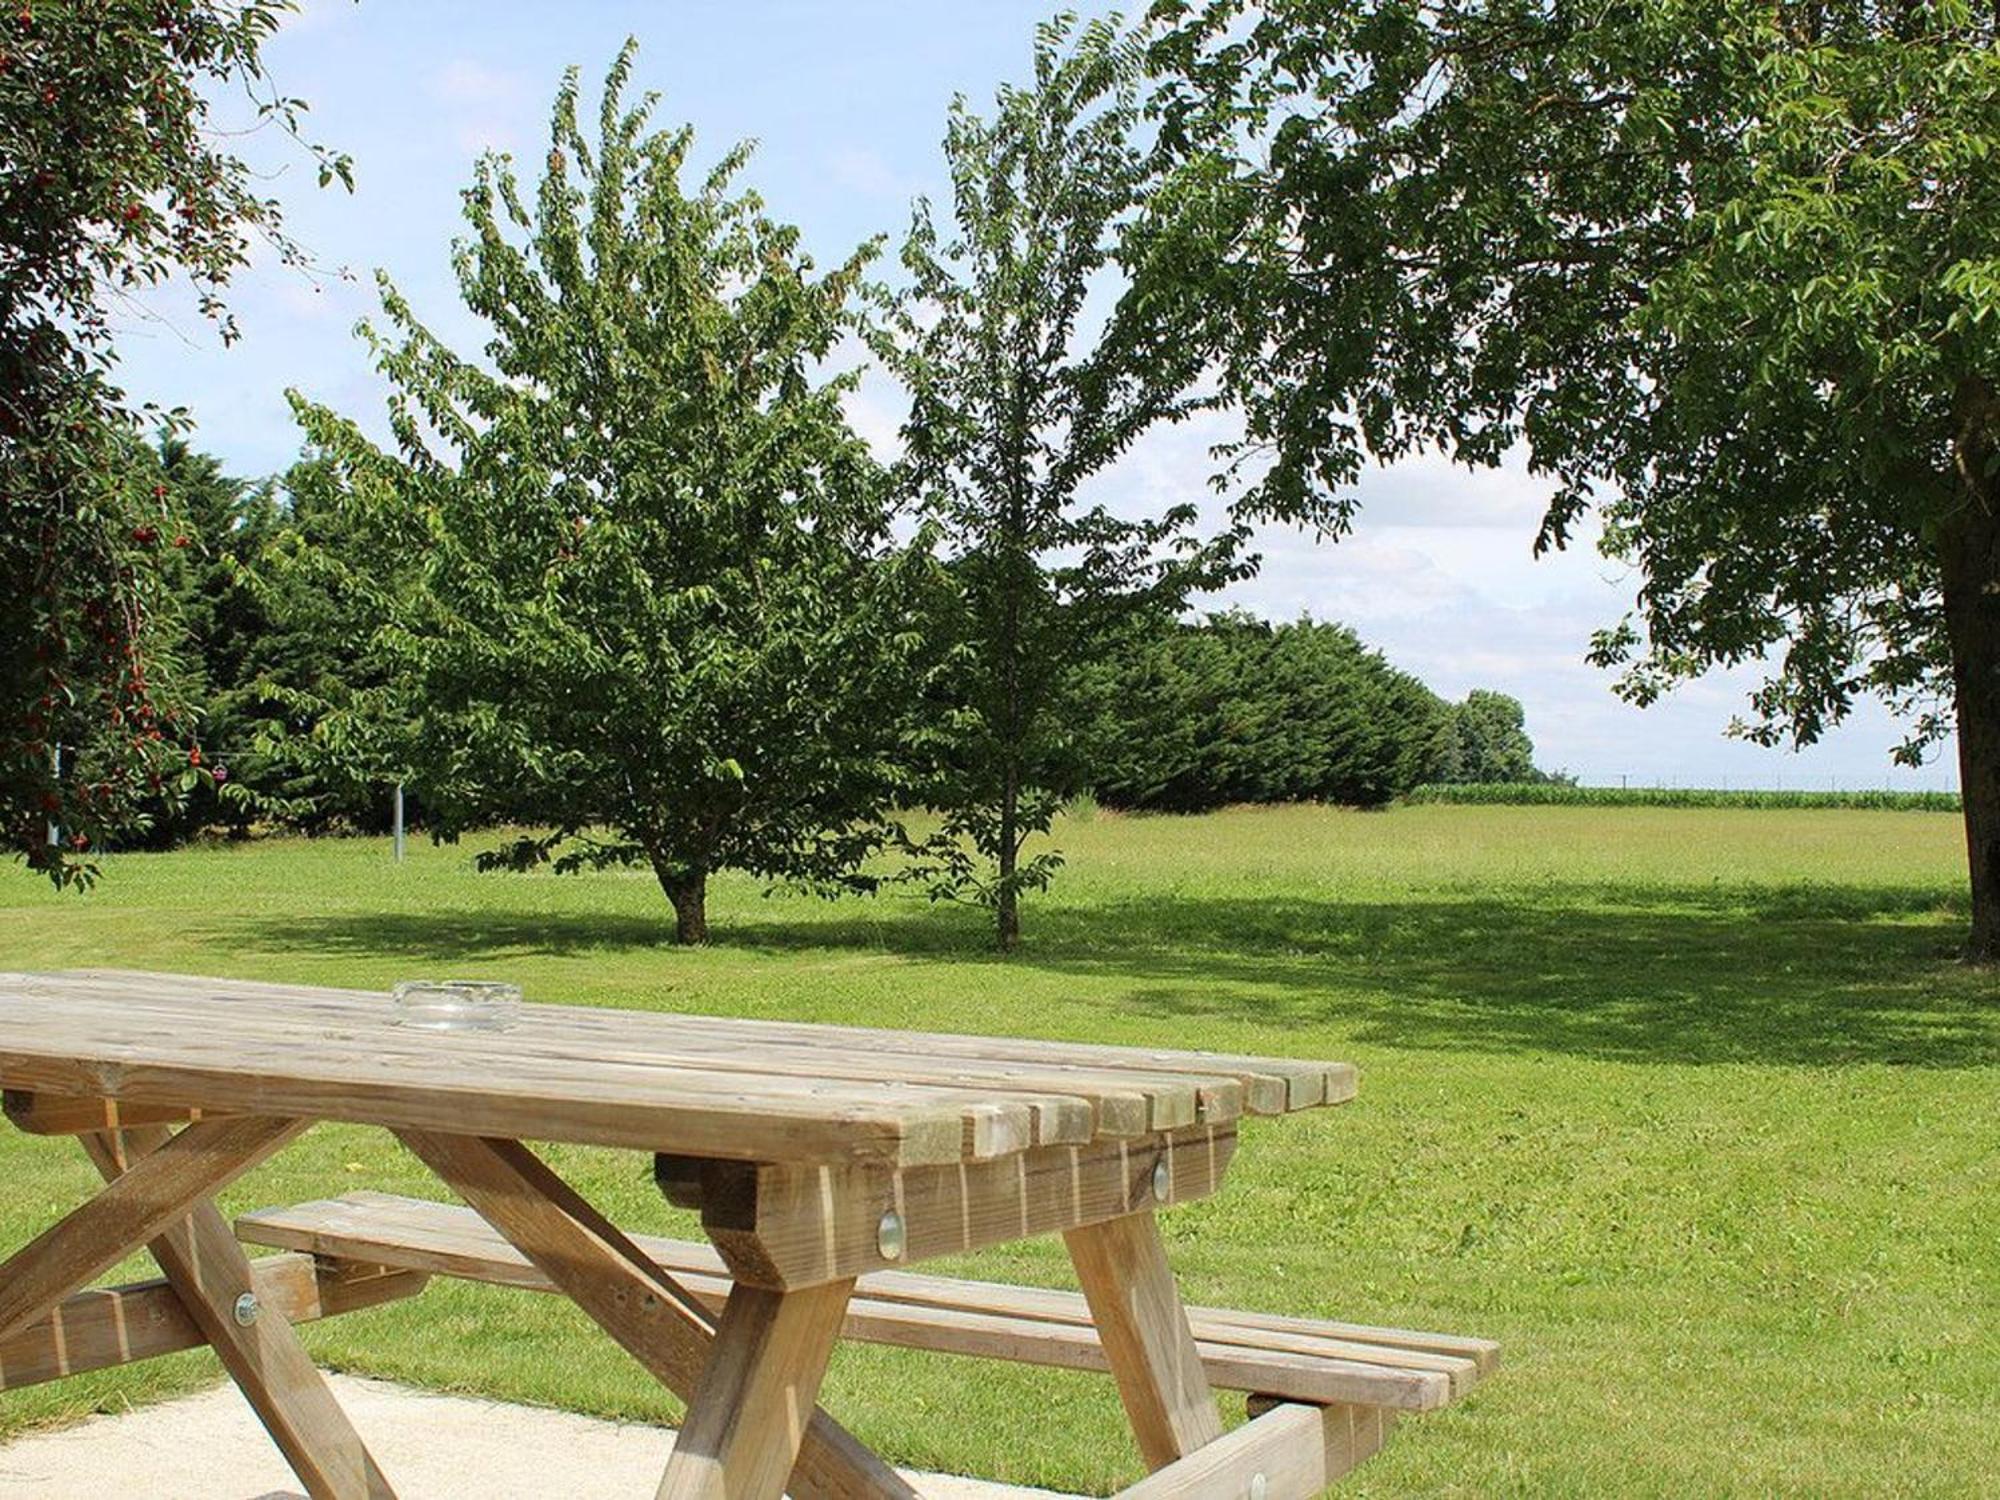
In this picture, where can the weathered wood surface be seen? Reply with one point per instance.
(165, 1186)
(1296, 1451)
(1301, 1359)
(206, 1267)
(121, 1325)
(1122, 1267)
(784, 1225)
(54, 1114)
(627, 1294)
(750, 1413)
(699, 1086)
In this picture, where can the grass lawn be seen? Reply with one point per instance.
(1692, 1110)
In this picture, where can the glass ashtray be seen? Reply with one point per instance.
(455, 1005)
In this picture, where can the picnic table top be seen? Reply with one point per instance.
(694, 1085)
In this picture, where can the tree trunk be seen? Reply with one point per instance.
(1007, 905)
(688, 890)
(1969, 559)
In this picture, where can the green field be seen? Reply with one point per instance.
(1692, 1109)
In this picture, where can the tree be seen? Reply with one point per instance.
(1489, 740)
(222, 630)
(111, 180)
(1038, 342)
(1726, 270)
(331, 725)
(654, 608)
(1190, 716)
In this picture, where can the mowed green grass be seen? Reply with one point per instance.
(1693, 1110)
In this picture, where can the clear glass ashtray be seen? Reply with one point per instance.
(455, 1005)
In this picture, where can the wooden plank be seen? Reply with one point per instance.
(156, 1051)
(750, 1412)
(1137, 1308)
(210, 1273)
(1301, 1359)
(1272, 1085)
(625, 1293)
(117, 1325)
(783, 1226)
(56, 1114)
(94, 1237)
(1297, 1451)
(1064, 1101)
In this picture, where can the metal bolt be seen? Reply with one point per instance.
(1258, 1485)
(889, 1235)
(246, 1309)
(1163, 1180)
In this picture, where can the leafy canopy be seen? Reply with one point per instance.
(1038, 340)
(111, 180)
(651, 602)
(1729, 271)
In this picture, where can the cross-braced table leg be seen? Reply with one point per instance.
(750, 1411)
(1147, 1341)
(656, 1320)
(157, 1193)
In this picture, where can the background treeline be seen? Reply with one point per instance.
(1179, 716)
(1563, 794)
(1188, 716)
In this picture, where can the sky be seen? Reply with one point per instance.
(846, 100)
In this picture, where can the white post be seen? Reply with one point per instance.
(55, 763)
(399, 822)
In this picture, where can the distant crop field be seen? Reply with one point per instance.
(1693, 1109)
(1541, 794)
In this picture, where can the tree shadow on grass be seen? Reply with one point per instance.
(1825, 976)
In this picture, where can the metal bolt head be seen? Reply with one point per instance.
(890, 1236)
(246, 1309)
(1258, 1485)
(1163, 1180)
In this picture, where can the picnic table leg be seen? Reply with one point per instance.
(652, 1316)
(95, 1236)
(1147, 1341)
(750, 1411)
(208, 1270)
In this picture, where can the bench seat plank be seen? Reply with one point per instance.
(1299, 1359)
(119, 1325)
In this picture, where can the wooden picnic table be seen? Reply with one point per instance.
(818, 1156)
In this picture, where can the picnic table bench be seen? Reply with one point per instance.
(822, 1159)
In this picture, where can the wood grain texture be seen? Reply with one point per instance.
(750, 1413)
(1301, 1359)
(208, 1271)
(1272, 1085)
(783, 1225)
(55, 1114)
(1123, 1269)
(1298, 1450)
(716, 1087)
(626, 1293)
(118, 1325)
(95, 1236)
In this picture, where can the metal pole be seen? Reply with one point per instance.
(55, 764)
(399, 822)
